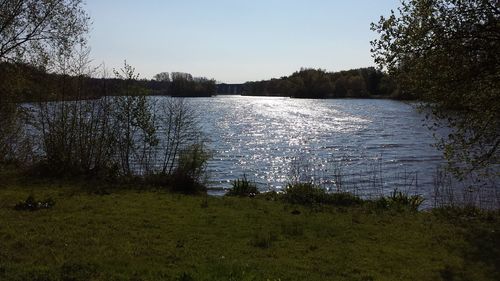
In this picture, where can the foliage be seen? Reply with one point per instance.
(189, 175)
(180, 130)
(185, 85)
(308, 194)
(400, 200)
(125, 137)
(9, 131)
(446, 53)
(134, 121)
(76, 137)
(317, 83)
(343, 199)
(32, 30)
(243, 188)
(304, 193)
(31, 204)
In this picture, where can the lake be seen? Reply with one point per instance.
(366, 146)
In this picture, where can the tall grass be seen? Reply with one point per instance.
(243, 188)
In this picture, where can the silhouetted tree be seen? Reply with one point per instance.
(447, 53)
(30, 30)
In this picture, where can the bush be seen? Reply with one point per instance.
(30, 204)
(243, 188)
(270, 196)
(304, 194)
(343, 199)
(400, 200)
(308, 194)
(190, 175)
(184, 183)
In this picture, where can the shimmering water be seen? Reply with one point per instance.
(354, 144)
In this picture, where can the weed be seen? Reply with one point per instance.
(343, 199)
(270, 196)
(185, 277)
(304, 194)
(30, 204)
(189, 176)
(243, 188)
(309, 194)
(400, 200)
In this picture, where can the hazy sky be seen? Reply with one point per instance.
(234, 40)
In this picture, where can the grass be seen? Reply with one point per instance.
(146, 235)
(310, 194)
(243, 188)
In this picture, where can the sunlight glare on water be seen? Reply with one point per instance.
(371, 142)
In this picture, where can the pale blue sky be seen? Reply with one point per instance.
(234, 40)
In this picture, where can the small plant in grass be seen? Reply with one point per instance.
(308, 194)
(243, 188)
(185, 277)
(304, 194)
(263, 239)
(270, 196)
(31, 204)
(400, 200)
(343, 199)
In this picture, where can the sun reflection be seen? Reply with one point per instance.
(262, 137)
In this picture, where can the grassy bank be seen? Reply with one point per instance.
(150, 235)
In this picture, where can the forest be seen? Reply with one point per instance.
(28, 83)
(31, 83)
(317, 83)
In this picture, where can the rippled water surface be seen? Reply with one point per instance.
(353, 144)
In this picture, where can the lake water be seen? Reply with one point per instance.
(366, 146)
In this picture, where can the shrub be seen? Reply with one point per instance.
(400, 200)
(343, 199)
(308, 194)
(270, 196)
(30, 204)
(304, 193)
(184, 183)
(243, 188)
(190, 175)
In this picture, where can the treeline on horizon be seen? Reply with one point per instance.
(318, 83)
(29, 83)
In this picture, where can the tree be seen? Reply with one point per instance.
(136, 131)
(447, 52)
(31, 28)
(162, 77)
(32, 31)
(312, 83)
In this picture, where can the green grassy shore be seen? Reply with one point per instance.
(154, 235)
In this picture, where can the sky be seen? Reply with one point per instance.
(234, 41)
